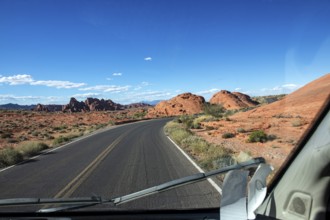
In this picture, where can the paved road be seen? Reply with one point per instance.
(112, 163)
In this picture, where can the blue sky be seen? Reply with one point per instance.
(130, 51)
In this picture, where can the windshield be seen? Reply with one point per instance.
(100, 99)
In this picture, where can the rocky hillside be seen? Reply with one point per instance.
(47, 108)
(304, 102)
(232, 100)
(91, 104)
(185, 103)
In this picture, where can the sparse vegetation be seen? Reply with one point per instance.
(268, 99)
(6, 135)
(62, 139)
(214, 110)
(271, 137)
(9, 156)
(257, 136)
(209, 156)
(297, 122)
(228, 135)
(241, 130)
(31, 148)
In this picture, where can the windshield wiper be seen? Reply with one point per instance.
(76, 203)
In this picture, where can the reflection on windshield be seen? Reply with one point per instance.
(103, 99)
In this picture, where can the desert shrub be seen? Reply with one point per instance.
(206, 118)
(187, 121)
(139, 115)
(214, 110)
(6, 135)
(179, 135)
(60, 140)
(257, 136)
(209, 128)
(32, 148)
(59, 128)
(9, 156)
(218, 157)
(208, 155)
(98, 126)
(241, 130)
(297, 122)
(271, 137)
(12, 140)
(196, 125)
(228, 135)
(227, 119)
(35, 133)
(230, 112)
(23, 138)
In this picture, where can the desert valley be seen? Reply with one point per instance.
(227, 120)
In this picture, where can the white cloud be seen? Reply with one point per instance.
(9, 97)
(238, 89)
(145, 84)
(148, 58)
(276, 90)
(210, 91)
(290, 86)
(109, 79)
(106, 88)
(146, 96)
(86, 95)
(141, 85)
(21, 79)
(58, 84)
(16, 79)
(117, 74)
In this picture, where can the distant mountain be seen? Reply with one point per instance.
(137, 105)
(11, 106)
(154, 102)
(90, 104)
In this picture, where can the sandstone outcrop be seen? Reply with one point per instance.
(186, 103)
(235, 100)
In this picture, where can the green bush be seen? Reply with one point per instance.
(196, 125)
(186, 120)
(214, 110)
(241, 130)
(228, 135)
(257, 136)
(60, 140)
(31, 148)
(9, 156)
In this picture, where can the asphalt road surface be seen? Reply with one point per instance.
(111, 163)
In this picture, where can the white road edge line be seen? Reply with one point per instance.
(196, 166)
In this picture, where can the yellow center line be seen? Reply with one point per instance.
(83, 175)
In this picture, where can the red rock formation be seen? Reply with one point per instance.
(235, 100)
(75, 106)
(102, 105)
(41, 108)
(185, 103)
(304, 102)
